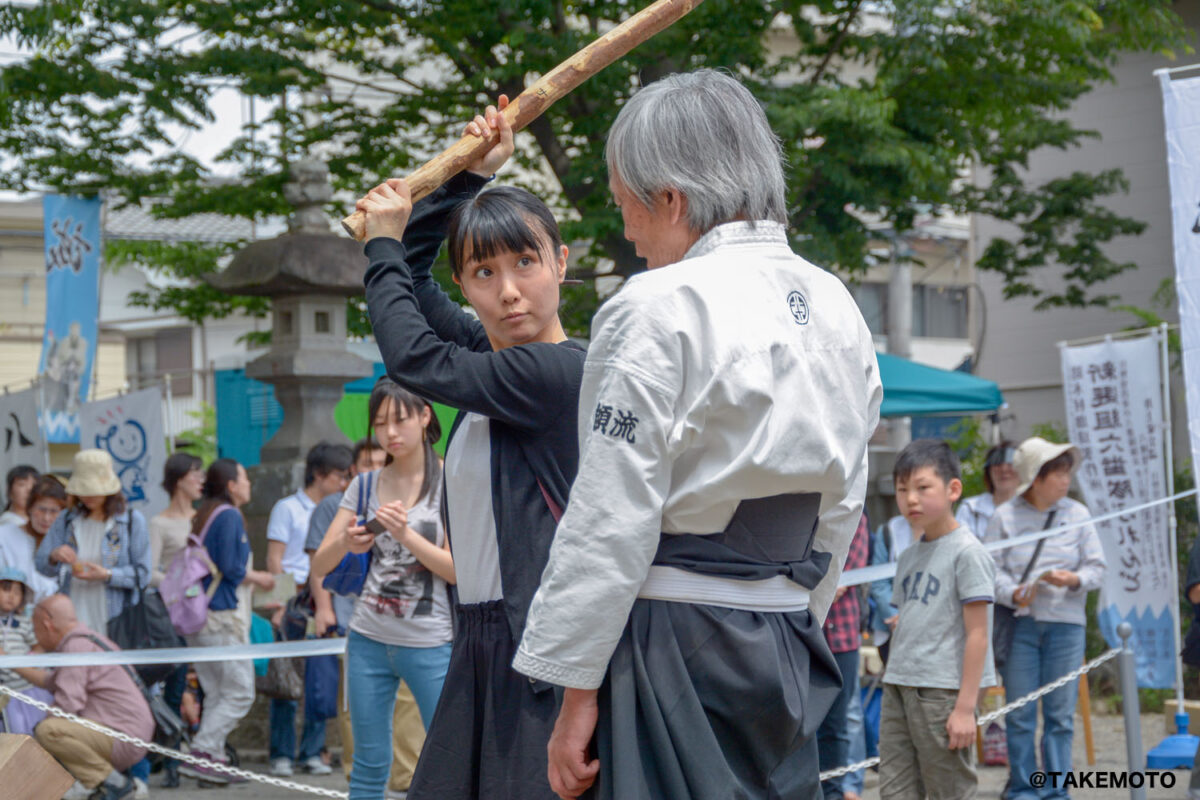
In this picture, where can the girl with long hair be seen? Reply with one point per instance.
(228, 685)
(401, 628)
(511, 455)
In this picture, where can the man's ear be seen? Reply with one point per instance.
(676, 204)
(956, 489)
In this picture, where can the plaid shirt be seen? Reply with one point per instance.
(842, 624)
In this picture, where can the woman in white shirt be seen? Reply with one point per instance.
(401, 627)
(18, 543)
(98, 549)
(183, 479)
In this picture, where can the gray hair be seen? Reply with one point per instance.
(703, 134)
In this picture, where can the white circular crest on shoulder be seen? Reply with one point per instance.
(799, 307)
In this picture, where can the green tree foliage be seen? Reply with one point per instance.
(882, 108)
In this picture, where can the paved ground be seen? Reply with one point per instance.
(1110, 755)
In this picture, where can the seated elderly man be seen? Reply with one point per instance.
(726, 403)
(105, 694)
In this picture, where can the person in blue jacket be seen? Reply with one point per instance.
(228, 685)
(512, 452)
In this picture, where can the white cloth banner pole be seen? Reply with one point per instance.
(1113, 394)
(130, 428)
(1181, 114)
(21, 441)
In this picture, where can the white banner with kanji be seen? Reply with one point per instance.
(1113, 393)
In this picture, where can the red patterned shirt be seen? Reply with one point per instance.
(842, 624)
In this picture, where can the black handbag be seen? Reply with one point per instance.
(168, 727)
(1004, 621)
(145, 624)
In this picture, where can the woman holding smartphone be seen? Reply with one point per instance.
(401, 626)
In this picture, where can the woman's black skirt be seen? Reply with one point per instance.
(488, 737)
(708, 703)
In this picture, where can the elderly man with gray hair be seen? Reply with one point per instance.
(727, 400)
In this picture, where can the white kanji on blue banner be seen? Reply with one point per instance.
(72, 243)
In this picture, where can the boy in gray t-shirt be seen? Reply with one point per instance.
(941, 647)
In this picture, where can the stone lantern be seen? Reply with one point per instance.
(308, 273)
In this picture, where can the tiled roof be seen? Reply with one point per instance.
(134, 222)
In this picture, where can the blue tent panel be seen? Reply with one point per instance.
(914, 390)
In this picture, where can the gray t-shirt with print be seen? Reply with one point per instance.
(402, 601)
(934, 580)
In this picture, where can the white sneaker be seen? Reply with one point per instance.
(393, 794)
(315, 766)
(140, 790)
(77, 792)
(282, 767)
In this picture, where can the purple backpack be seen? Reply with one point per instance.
(182, 587)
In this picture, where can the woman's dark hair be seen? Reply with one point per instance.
(409, 403)
(177, 468)
(220, 474)
(1061, 463)
(501, 220)
(113, 504)
(47, 486)
(996, 456)
(17, 473)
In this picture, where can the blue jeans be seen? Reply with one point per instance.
(853, 781)
(1041, 652)
(283, 733)
(377, 670)
(833, 736)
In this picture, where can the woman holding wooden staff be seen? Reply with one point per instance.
(511, 454)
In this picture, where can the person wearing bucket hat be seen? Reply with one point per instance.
(17, 638)
(98, 550)
(1047, 585)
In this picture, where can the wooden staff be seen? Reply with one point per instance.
(530, 104)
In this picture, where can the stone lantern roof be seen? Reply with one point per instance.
(309, 258)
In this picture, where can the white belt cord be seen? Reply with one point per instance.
(775, 594)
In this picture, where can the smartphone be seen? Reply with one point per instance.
(375, 526)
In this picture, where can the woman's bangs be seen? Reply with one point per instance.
(498, 229)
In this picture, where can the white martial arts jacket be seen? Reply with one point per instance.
(740, 372)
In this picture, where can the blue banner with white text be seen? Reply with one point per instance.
(72, 242)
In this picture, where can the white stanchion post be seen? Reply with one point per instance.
(1131, 709)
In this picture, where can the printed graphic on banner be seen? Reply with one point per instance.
(1181, 114)
(21, 441)
(72, 241)
(1113, 393)
(130, 428)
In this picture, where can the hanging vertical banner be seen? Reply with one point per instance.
(1113, 393)
(20, 438)
(72, 241)
(130, 428)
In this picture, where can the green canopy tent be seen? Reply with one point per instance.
(917, 390)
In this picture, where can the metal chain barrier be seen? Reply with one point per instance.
(166, 751)
(1000, 712)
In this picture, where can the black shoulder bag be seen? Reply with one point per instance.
(144, 623)
(1004, 621)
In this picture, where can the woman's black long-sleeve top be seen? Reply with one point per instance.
(529, 392)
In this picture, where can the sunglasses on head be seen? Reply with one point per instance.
(1004, 455)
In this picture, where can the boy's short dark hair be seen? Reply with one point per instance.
(933, 453)
(365, 444)
(325, 458)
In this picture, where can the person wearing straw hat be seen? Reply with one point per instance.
(1047, 584)
(98, 549)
